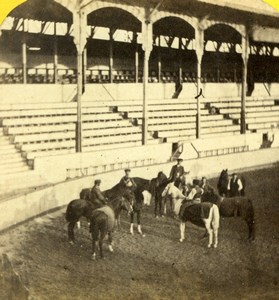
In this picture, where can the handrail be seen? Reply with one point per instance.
(266, 89)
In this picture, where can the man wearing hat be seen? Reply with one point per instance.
(235, 186)
(177, 172)
(96, 194)
(128, 181)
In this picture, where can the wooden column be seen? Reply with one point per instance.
(180, 70)
(136, 57)
(111, 55)
(80, 40)
(199, 53)
(84, 66)
(55, 62)
(147, 46)
(159, 61)
(24, 60)
(245, 57)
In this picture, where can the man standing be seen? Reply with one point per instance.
(176, 174)
(127, 181)
(235, 186)
(96, 194)
(207, 188)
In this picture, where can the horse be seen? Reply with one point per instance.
(223, 183)
(234, 207)
(102, 222)
(203, 214)
(171, 192)
(83, 208)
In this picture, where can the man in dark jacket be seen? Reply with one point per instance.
(127, 181)
(207, 188)
(177, 172)
(235, 186)
(96, 194)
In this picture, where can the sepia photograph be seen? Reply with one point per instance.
(139, 145)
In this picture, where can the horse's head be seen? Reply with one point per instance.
(161, 177)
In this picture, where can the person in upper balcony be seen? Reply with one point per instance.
(127, 180)
(235, 186)
(96, 194)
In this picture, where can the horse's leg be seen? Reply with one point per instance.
(207, 224)
(132, 223)
(101, 239)
(94, 249)
(215, 223)
(139, 223)
(78, 225)
(182, 231)
(160, 207)
(110, 241)
(165, 205)
(71, 234)
(156, 206)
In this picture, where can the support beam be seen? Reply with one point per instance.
(136, 57)
(147, 34)
(199, 53)
(55, 61)
(111, 32)
(24, 60)
(80, 40)
(245, 57)
(84, 67)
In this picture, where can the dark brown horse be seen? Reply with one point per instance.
(83, 208)
(102, 222)
(234, 207)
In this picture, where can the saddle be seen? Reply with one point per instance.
(110, 214)
(201, 209)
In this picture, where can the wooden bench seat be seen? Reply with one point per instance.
(64, 127)
(266, 119)
(177, 133)
(67, 144)
(182, 113)
(58, 119)
(262, 126)
(29, 138)
(158, 107)
(51, 112)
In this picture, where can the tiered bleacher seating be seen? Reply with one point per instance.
(261, 114)
(49, 128)
(174, 120)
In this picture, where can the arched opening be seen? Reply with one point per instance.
(222, 60)
(113, 51)
(38, 47)
(173, 58)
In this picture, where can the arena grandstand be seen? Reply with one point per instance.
(91, 87)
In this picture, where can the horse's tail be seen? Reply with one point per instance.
(69, 213)
(215, 216)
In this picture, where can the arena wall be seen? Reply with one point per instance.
(124, 91)
(21, 208)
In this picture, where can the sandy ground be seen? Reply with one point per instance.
(157, 266)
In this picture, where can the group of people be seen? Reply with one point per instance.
(198, 187)
(178, 178)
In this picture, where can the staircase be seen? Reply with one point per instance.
(15, 175)
(11, 160)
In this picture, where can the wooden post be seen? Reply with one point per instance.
(24, 60)
(180, 71)
(136, 57)
(84, 66)
(147, 46)
(55, 62)
(159, 61)
(80, 40)
(111, 55)
(199, 53)
(245, 57)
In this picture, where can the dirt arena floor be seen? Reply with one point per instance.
(157, 266)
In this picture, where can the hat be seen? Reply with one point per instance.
(127, 170)
(196, 182)
(97, 181)
(203, 177)
(179, 159)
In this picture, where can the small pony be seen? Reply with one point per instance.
(102, 222)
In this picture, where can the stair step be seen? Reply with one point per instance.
(12, 161)
(6, 147)
(16, 168)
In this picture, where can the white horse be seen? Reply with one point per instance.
(171, 192)
(192, 212)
